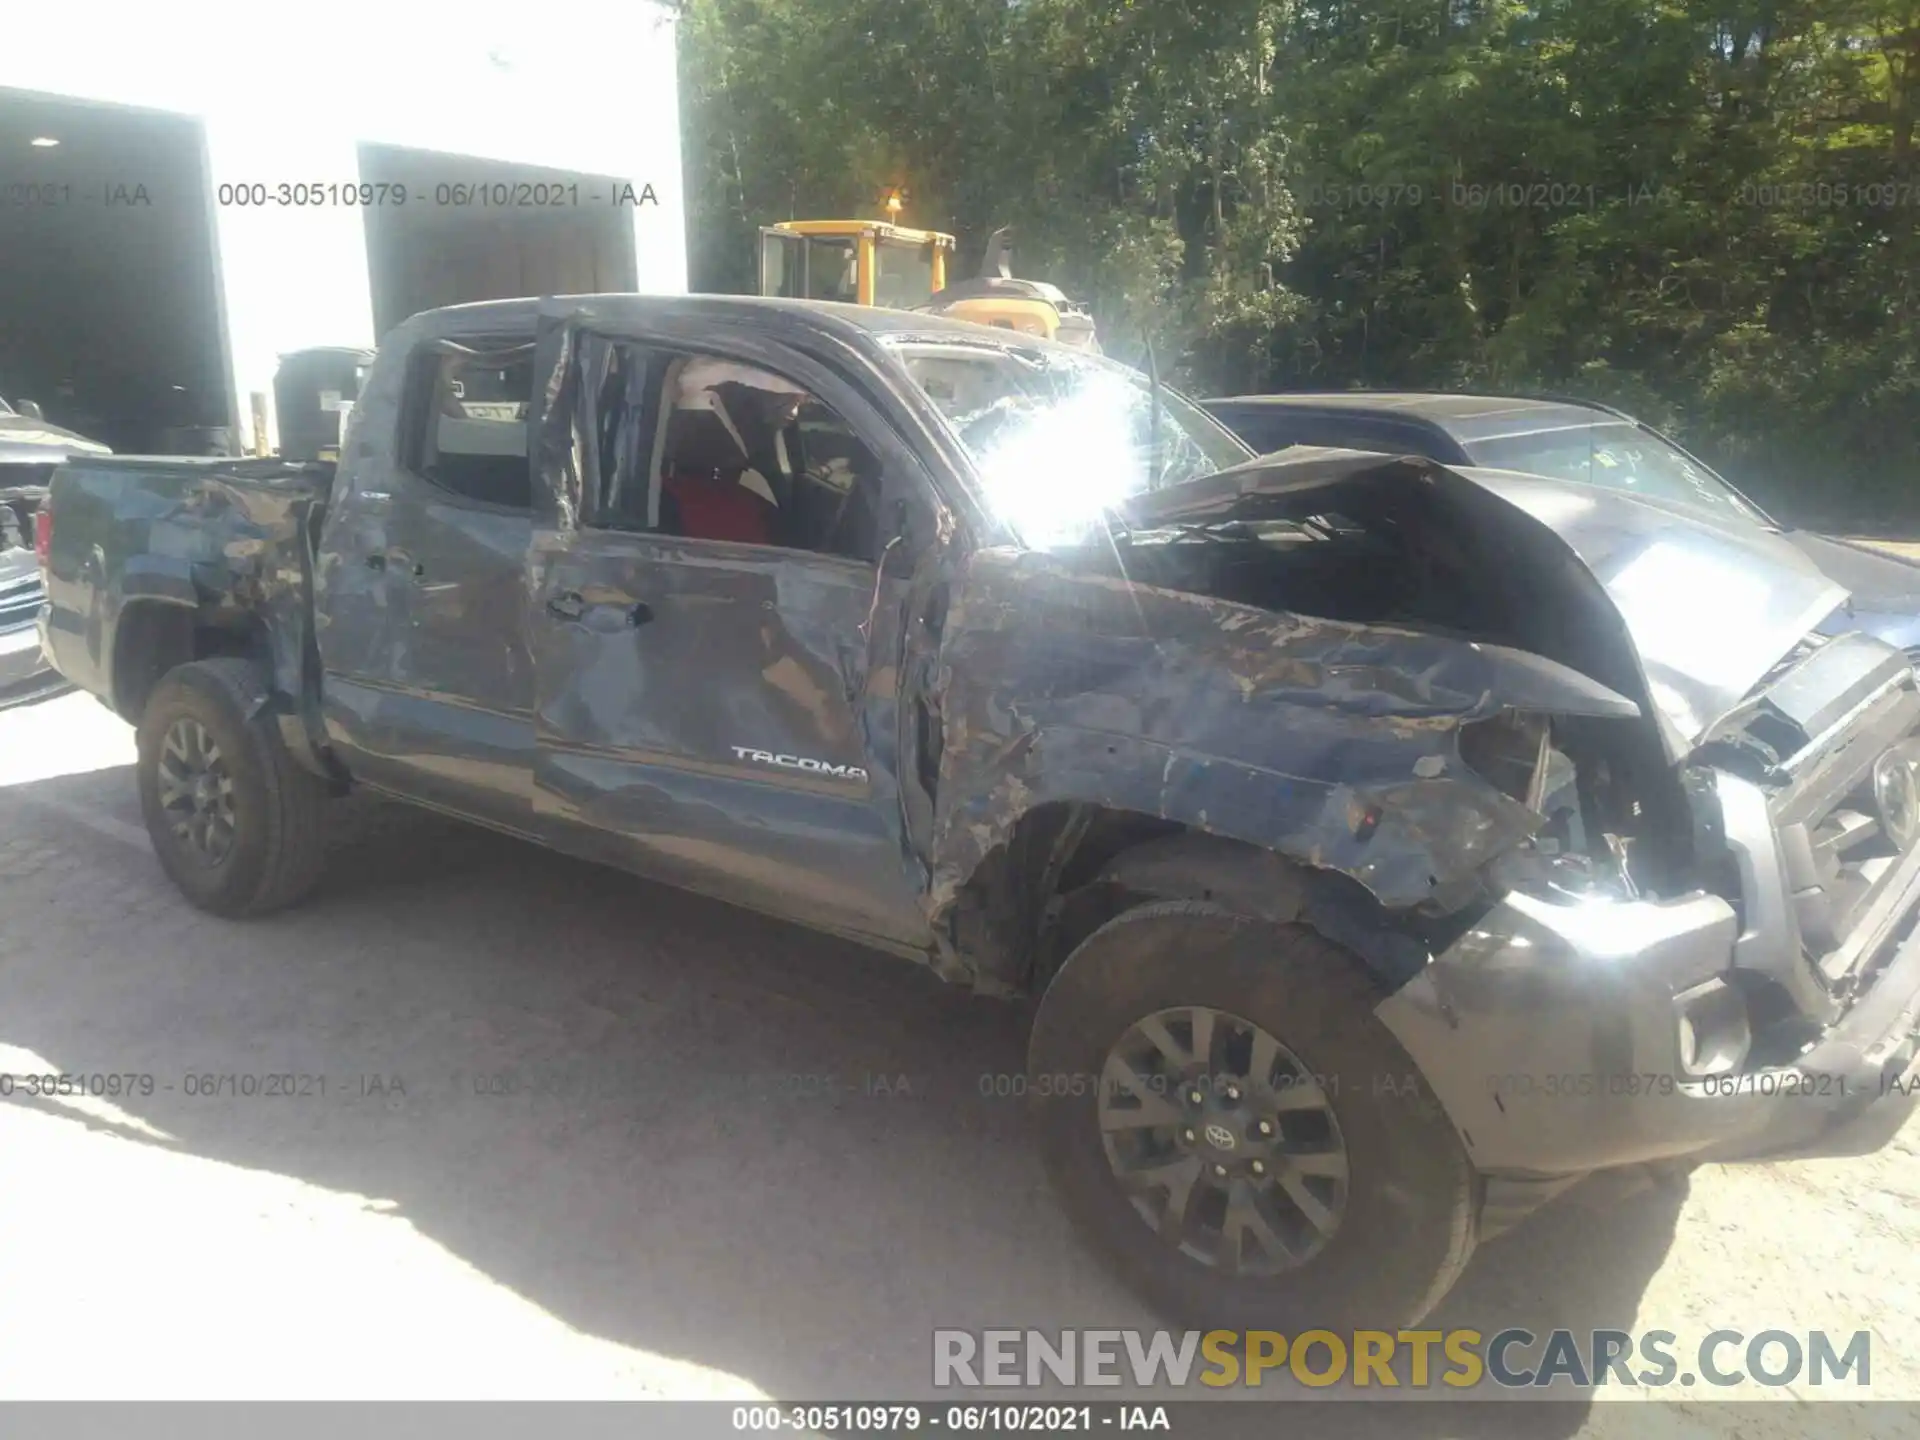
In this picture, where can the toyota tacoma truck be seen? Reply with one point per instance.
(1383, 845)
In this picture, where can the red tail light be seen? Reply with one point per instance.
(43, 532)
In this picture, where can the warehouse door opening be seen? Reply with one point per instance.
(109, 301)
(485, 230)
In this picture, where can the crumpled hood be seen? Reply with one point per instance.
(35, 442)
(1884, 589)
(1709, 607)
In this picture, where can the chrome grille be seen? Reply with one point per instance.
(1835, 867)
(1845, 874)
(20, 603)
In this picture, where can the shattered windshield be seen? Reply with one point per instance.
(1616, 456)
(1059, 439)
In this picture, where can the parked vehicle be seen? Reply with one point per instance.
(1375, 867)
(29, 449)
(1581, 442)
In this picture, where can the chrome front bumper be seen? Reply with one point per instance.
(1567, 1033)
(1551, 1033)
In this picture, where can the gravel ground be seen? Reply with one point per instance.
(734, 1159)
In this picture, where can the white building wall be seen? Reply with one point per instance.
(286, 94)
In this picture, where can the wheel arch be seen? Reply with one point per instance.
(1066, 868)
(154, 634)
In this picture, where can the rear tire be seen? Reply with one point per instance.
(1376, 1250)
(237, 825)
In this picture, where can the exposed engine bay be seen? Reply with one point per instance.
(1385, 546)
(1797, 807)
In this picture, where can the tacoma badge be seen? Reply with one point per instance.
(800, 762)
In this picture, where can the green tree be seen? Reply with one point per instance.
(1701, 208)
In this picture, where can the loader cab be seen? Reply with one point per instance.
(858, 262)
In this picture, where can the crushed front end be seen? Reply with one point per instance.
(1754, 992)
(1690, 935)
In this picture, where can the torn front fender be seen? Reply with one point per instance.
(1330, 742)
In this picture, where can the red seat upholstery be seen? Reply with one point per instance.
(712, 507)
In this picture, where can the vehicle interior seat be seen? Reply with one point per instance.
(702, 496)
(832, 505)
(483, 459)
(477, 446)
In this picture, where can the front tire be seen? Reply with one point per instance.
(236, 824)
(1234, 1130)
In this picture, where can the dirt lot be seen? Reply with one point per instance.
(698, 1185)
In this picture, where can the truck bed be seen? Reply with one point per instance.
(224, 546)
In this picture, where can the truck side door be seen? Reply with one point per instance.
(428, 686)
(712, 702)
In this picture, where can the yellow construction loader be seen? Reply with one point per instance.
(876, 262)
(860, 262)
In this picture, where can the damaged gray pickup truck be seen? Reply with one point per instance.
(1384, 845)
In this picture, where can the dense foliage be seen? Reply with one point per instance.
(1702, 209)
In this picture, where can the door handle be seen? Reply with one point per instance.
(567, 605)
(378, 561)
